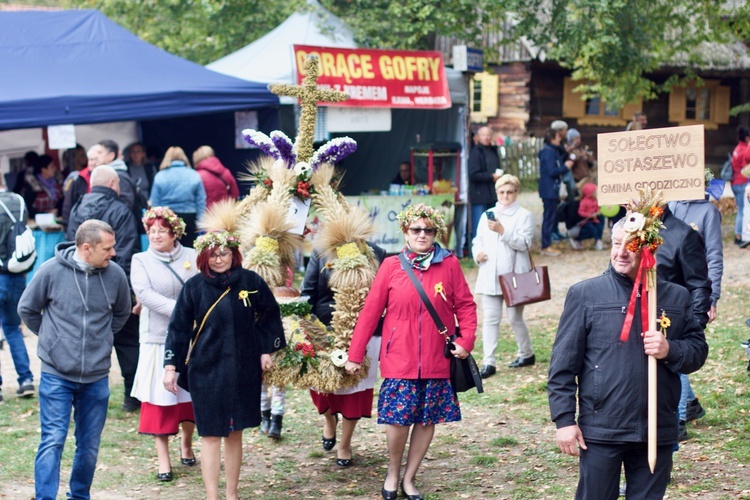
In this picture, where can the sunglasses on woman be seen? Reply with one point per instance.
(429, 231)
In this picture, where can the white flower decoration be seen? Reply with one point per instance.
(634, 222)
(339, 357)
(303, 171)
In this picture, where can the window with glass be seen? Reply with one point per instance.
(698, 103)
(595, 107)
(477, 96)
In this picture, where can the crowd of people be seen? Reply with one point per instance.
(102, 292)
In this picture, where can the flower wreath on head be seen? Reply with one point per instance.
(420, 211)
(175, 223)
(221, 239)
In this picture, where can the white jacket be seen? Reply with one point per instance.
(519, 231)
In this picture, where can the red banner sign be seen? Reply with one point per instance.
(380, 78)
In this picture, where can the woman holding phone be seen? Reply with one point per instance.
(505, 232)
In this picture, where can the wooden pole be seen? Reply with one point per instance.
(652, 423)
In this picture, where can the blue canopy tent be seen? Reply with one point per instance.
(79, 67)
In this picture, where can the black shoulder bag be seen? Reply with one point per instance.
(464, 372)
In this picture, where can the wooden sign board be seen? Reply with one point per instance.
(670, 160)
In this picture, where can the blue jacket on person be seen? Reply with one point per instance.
(180, 188)
(551, 169)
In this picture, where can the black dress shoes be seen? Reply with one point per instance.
(487, 371)
(417, 496)
(189, 462)
(521, 362)
(164, 476)
(388, 494)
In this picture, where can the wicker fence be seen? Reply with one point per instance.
(521, 158)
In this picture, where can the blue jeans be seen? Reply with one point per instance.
(686, 395)
(592, 230)
(549, 220)
(477, 209)
(11, 288)
(56, 398)
(739, 198)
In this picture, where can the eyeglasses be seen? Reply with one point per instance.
(503, 193)
(429, 231)
(222, 255)
(160, 232)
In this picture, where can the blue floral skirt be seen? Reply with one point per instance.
(409, 402)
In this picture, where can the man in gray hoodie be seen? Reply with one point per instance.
(76, 303)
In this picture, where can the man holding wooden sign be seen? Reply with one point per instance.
(632, 165)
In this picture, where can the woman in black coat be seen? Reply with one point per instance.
(237, 326)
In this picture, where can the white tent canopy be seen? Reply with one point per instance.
(270, 59)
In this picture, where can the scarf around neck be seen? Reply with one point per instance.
(417, 260)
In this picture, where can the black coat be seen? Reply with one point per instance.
(610, 377)
(224, 371)
(682, 260)
(103, 203)
(315, 285)
(483, 161)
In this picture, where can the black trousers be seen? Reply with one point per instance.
(127, 347)
(600, 467)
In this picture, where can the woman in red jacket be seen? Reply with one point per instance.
(416, 389)
(217, 179)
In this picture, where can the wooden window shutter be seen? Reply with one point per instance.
(721, 105)
(627, 111)
(489, 95)
(573, 105)
(677, 104)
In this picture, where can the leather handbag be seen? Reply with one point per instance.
(464, 372)
(525, 288)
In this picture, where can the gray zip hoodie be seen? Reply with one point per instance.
(75, 313)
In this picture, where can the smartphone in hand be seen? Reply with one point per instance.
(490, 215)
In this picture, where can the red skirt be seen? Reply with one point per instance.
(164, 420)
(351, 406)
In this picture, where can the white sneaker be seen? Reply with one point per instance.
(599, 245)
(575, 244)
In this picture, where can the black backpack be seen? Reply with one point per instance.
(19, 247)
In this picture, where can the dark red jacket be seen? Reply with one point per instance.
(217, 180)
(411, 347)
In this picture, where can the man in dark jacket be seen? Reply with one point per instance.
(483, 163)
(682, 260)
(103, 203)
(551, 170)
(609, 378)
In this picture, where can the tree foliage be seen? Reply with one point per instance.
(413, 24)
(614, 44)
(199, 30)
